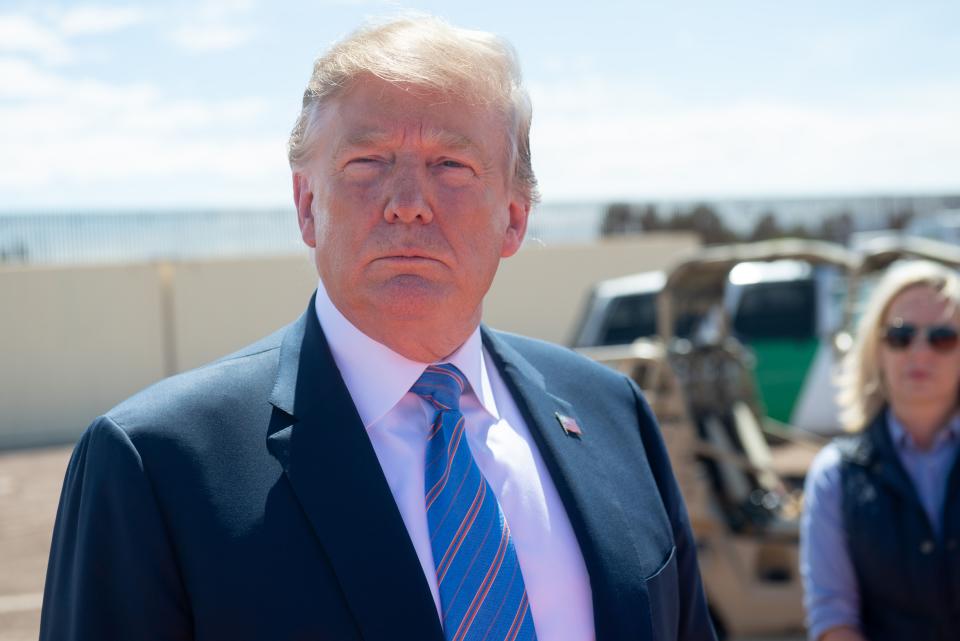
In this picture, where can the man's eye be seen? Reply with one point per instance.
(453, 164)
(363, 164)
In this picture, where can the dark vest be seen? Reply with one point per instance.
(908, 578)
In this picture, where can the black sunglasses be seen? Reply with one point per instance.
(940, 338)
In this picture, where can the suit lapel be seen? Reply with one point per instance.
(577, 469)
(320, 441)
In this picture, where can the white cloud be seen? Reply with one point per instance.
(212, 25)
(70, 140)
(20, 79)
(392, 4)
(213, 9)
(95, 20)
(603, 140)
(210, 37)
(70, 143)
(24, 35)
(49, 39)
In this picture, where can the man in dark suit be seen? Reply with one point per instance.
(385, 467)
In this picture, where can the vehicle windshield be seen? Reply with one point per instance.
(630, 317)
(784, 309)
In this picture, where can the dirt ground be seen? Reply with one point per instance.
(30, 483)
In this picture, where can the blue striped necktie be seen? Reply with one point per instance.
(482, 595)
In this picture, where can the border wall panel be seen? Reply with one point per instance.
(221, 306)
(74, 342)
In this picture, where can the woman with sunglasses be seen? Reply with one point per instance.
(880, 535)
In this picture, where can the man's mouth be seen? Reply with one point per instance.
(410, 255)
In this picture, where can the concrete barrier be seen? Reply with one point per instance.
(74, 342)
(220, 306)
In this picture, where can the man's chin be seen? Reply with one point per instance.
(413, 297)
(419, 319)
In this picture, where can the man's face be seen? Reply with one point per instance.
(410, 206)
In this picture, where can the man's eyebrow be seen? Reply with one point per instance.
(366, 138)
(451, 140)
(440, 138)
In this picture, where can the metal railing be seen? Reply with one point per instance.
(143, 236)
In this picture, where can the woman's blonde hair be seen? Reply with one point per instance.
(425, 53)
(862, 393)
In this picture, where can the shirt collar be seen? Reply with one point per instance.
(950, 433)
(378, 377)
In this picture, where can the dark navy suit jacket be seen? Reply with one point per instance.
(243, 500)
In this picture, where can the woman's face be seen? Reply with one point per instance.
(924, 369)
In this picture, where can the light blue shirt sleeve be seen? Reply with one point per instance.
(831, 596)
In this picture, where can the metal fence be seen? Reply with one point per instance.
(143, 236)
(110, 237)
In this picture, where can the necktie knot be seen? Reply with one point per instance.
(442, 385)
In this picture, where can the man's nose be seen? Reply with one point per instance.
(408, 201)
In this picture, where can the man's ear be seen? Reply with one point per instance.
(518, 211)
(303, 200)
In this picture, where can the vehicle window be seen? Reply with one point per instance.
(630, 317)
(686, 324)
(776, 310)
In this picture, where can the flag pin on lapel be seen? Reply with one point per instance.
(569, 425)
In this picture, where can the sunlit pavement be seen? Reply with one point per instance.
(30, 483)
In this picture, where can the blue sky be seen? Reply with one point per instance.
(188, 104)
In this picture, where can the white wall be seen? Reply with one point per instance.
(220, 306)
(73, 342)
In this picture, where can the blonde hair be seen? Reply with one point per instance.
(425, 52)
(862, 393)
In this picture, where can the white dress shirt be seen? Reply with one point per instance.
(397, 422)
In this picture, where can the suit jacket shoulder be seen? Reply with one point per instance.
(560, 364)
(234, 385)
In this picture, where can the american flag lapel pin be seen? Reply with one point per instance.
(569, 425)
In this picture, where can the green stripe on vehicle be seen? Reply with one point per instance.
(781, 370)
